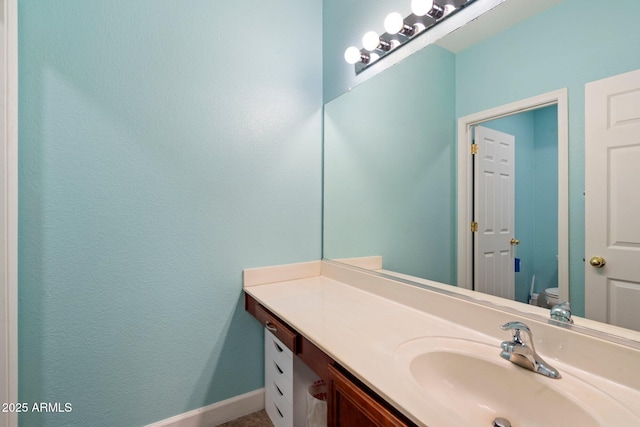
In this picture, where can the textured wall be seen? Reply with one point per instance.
(164, 147)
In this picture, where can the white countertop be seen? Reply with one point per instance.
(361, 330)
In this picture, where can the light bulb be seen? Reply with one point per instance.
(352, 55)
(393, 23)
(421, 7)
(427, 7)
(373, 57)
(448, 8)
(371, 40)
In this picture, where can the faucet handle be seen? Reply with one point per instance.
(516, 327)
(562, 312)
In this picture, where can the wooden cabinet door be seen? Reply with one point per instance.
(350, 405)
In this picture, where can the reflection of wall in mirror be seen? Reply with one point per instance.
(387, 183)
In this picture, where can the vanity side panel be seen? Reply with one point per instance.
(315, 358)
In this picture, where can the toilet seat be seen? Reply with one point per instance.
(551, 297)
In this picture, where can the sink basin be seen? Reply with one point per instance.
(473, 385)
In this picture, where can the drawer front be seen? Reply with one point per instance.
(279, 372)
(281, 388)
(279, 410)
(276, 349)
(285, 334)
(278, 368)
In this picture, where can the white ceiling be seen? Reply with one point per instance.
(492, 22)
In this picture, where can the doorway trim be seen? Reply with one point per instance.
(465, 182)
(9, 213)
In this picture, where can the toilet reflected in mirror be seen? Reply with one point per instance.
(549, 298)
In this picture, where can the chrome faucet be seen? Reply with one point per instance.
(522, 353)
(562, 312)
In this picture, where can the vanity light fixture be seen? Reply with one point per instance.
(399, 30)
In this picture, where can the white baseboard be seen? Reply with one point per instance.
(218, 413)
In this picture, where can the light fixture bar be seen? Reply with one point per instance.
(400, 31)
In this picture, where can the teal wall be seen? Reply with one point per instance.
(536, 196)
(389, 169)
(550, 51)
(164, 147)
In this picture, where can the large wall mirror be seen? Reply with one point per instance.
(394, 191)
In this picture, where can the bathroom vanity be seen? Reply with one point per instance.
(398, 355)
(350, 402)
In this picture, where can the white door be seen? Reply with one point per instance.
(612, 200)
(494, 188)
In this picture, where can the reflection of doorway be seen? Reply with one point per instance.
(465, 185)
(526, 193)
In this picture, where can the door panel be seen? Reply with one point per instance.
(624, 300)
(623, 231)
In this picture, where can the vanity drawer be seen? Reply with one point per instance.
(281, 388)
(280, 372)
(280, 412)
(286, 335)
(278, 361)
(274, 347)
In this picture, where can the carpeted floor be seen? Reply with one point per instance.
(257, 419)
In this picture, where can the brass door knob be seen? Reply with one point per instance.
(597, 262)
(515, 242)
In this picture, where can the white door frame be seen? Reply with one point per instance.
(465, 182)
(9, 214)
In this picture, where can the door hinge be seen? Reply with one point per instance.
(474, 227)
(474, 148)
